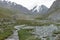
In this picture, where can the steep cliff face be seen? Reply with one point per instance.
(54, 11)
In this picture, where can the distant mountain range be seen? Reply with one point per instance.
(21, 12)
(12, 5)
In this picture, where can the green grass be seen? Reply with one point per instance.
(41, 18)
(32, 23)
(48, 38)
(5, 34)
(25, 34)
(57, 24)
(56, 32)
(5, 13)
(5, 31)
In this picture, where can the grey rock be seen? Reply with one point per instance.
(54, 11)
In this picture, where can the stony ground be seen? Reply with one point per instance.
(14, 36)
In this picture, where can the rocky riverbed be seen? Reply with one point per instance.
(43, 32)
(46, 32)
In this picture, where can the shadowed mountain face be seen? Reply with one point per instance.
(40, 9)
(12, 5)
(54, 11)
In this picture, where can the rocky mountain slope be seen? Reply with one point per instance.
(54, 11)
(12, 5)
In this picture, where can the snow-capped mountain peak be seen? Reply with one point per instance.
(40, 9)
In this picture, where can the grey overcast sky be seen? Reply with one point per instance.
(31, 3)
